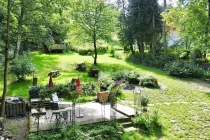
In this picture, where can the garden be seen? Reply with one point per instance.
(97, 70)
(175, 106)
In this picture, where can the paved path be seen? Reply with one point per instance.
(127, 111)
(183, 102)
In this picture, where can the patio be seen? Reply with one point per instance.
(92, 111)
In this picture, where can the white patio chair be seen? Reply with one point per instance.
(61, 104)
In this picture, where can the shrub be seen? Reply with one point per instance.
(102, 49)
(133, 77)
(89, 89)
(144, 103)
(22, 66)
(158, 61)
(183, 69)
(112, 52)
(116, 91)
(34, 91)
(120, 75)
(148, 121)
(149, 82)
(84, 51)
(105, 81)
(134, 58)
(184, 55)
(197, 55)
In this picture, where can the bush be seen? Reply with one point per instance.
(197, 55)
(112, 52)
(89, 89)
(22, 66)
(34, 91)
(144, 103)
(120, 76)
(85, 51)
(116, 91)
(134, 58)
(184, 55)
(105, 81)
(148, 121)
(102, 49)
(131, 135)
(183, 69)
(133, 77)
(149, 82)
(158, 61)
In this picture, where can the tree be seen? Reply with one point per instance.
(191, 19)
(7, 47)
(95, 18)
(145, 20)
(164, 34)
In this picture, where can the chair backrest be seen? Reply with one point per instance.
(55, 98)
(54, 106)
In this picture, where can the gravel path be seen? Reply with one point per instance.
(18, 126)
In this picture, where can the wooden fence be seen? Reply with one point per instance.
(15, 109)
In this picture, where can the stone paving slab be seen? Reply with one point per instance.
(128, 111)
(93, 112)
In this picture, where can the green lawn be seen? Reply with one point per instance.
(181, 120)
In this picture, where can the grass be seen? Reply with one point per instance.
(180, 121)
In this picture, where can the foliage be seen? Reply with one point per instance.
(194, 34)
(157, 61)
(131, 135)
(95, 19)
(144, 103)
(133, 77)
(197, 55)
(21, 67)
(34, 91)
(138, 25)
(65, 91)
(184, 69)
(89, 89)
(184, 55)
(112, 52)
(85, 51)
(120, 75)
(116, 91)
(94, 131)
(149, 82)
(134, 58)
(148, 121)
(105, 81)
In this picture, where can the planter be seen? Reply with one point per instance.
(103, 96)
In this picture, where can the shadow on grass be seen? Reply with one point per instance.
(207, 94)
(111, 67)
(19, 88)
(43, 60)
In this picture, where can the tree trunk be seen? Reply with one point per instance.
(20, 20)
(95, 48)
(141, 48)
(153, 34)
(131, 48)
(164, 35)
(7, 46)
